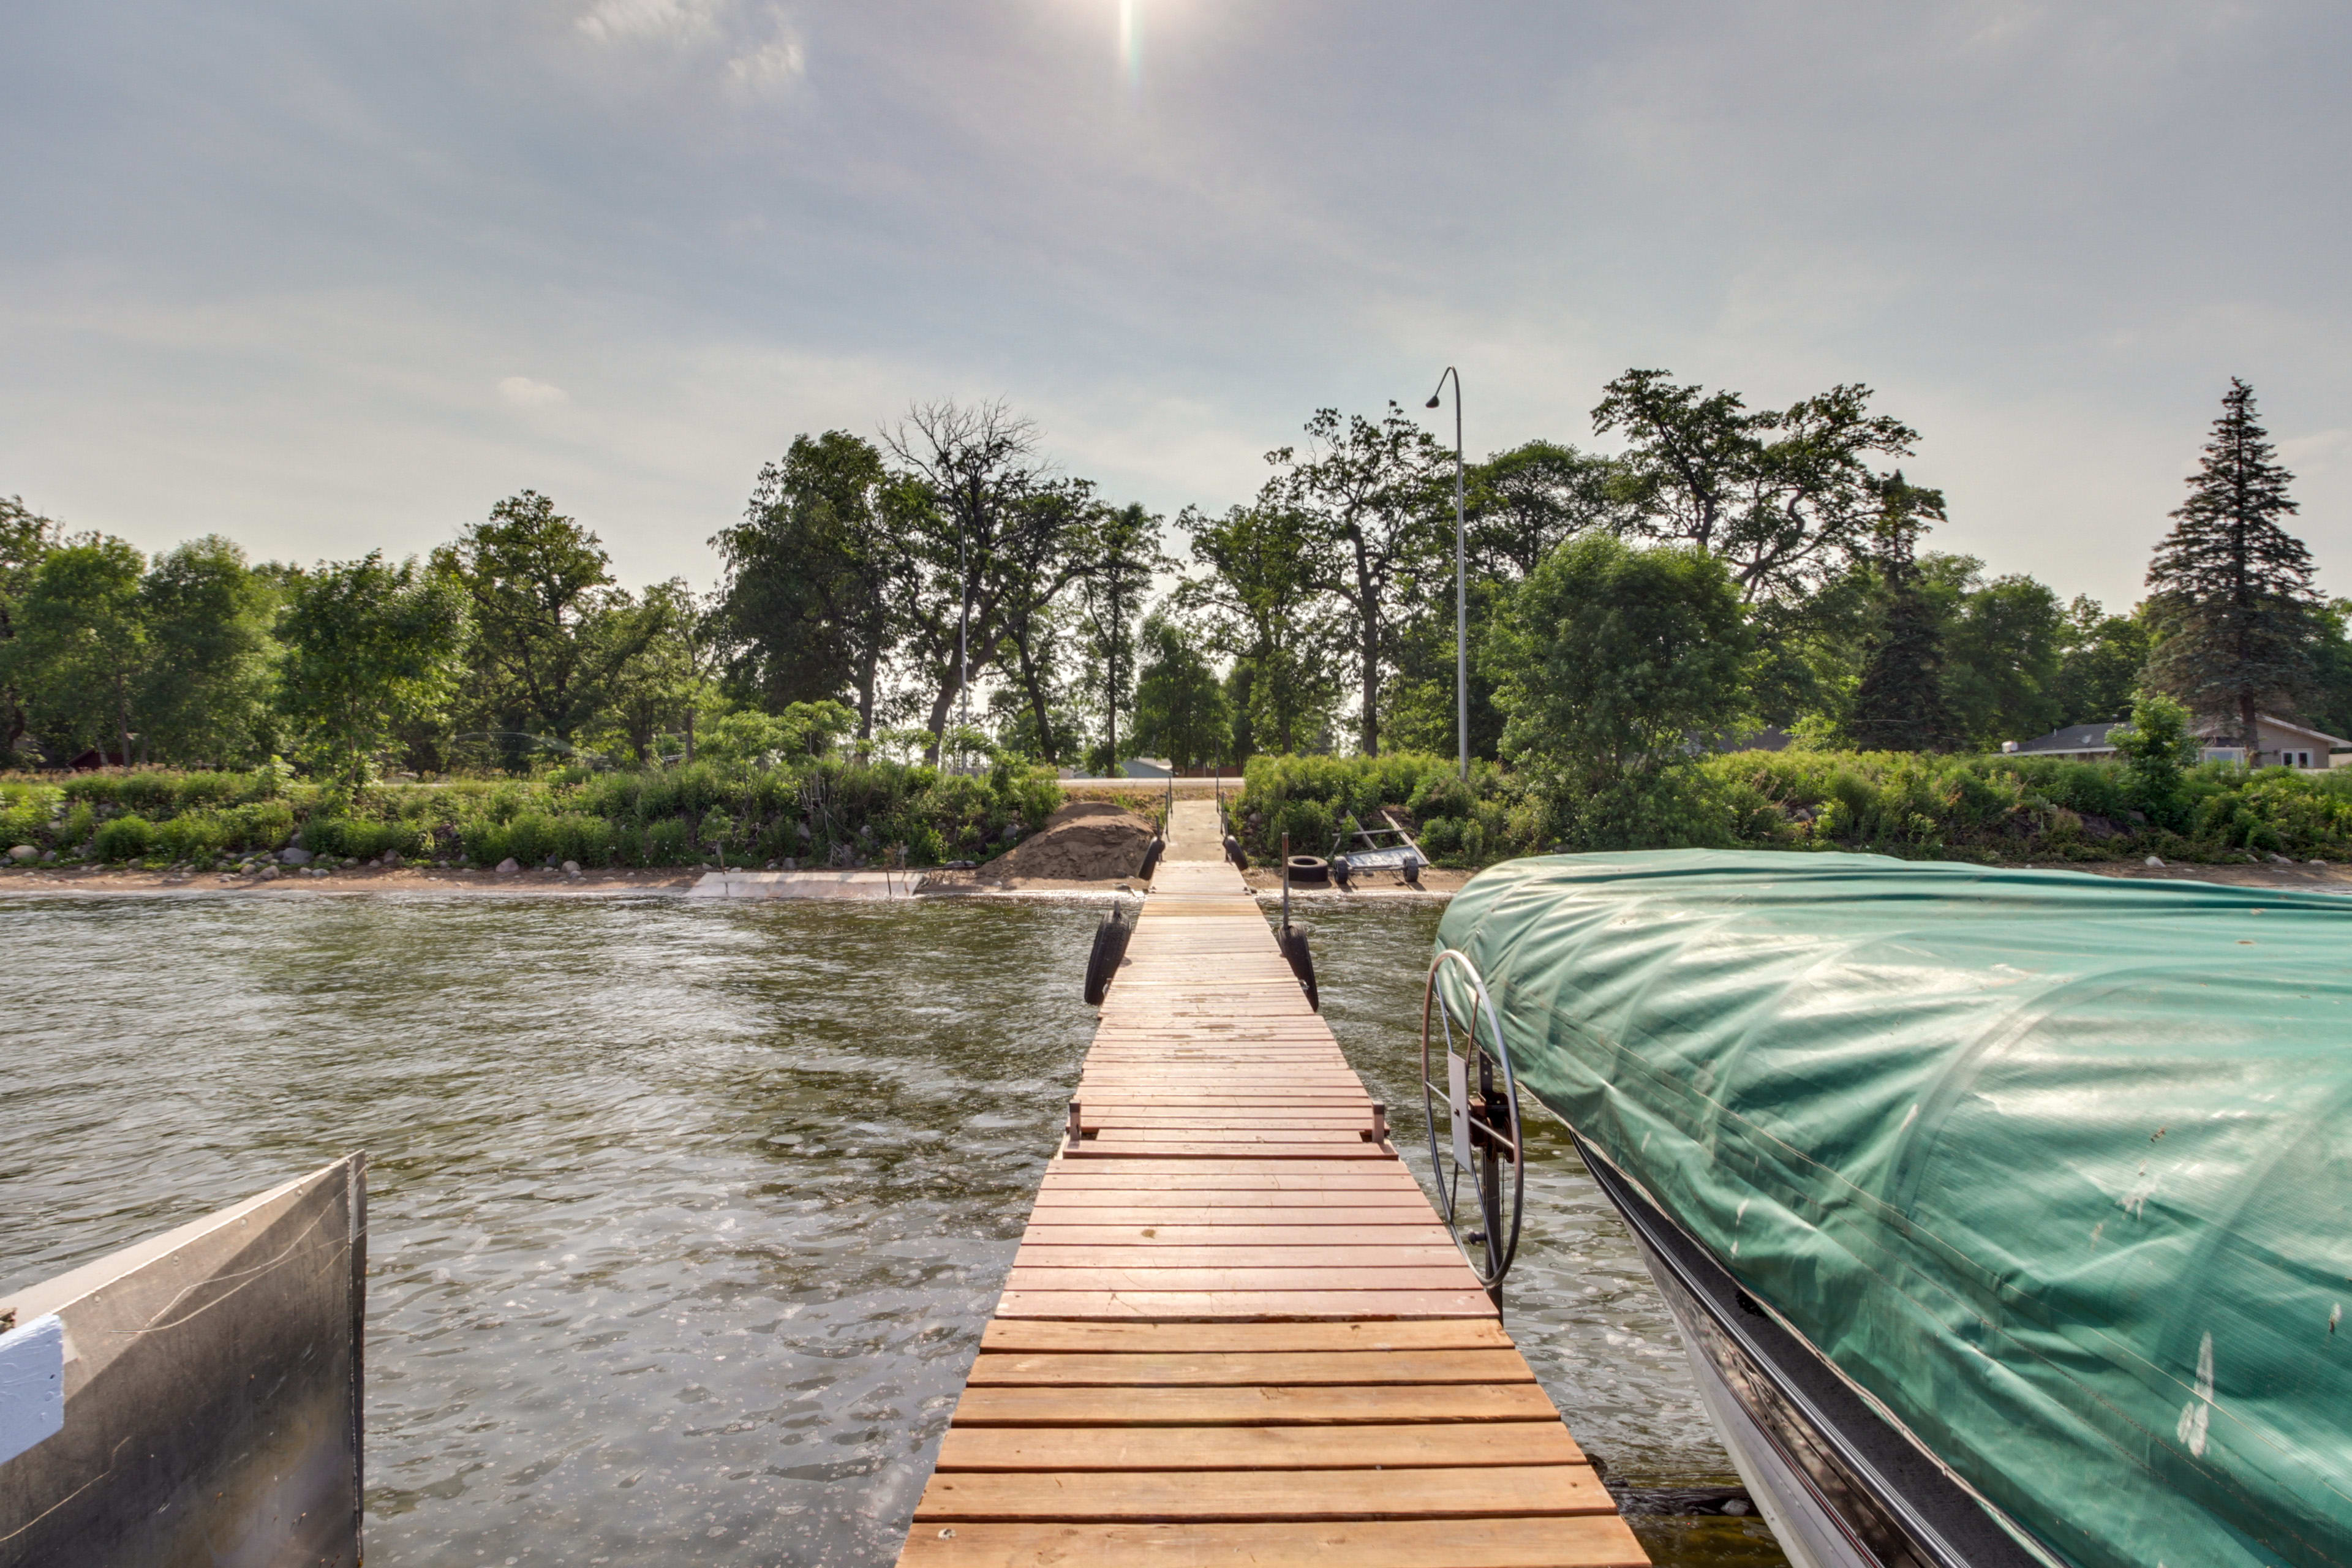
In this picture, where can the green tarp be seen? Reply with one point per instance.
(2056, 1167)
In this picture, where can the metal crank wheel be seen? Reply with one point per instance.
(1479, 1098)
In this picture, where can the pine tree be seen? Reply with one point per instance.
(2232, 589)
(1899, 705)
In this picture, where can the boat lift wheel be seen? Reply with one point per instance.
(1479, 1096)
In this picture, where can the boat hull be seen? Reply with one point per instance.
(1842, 1485)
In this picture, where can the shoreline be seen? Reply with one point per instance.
(1438, 885)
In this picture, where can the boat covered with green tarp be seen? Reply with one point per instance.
(2054, 1170)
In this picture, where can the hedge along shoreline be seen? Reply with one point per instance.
(1993, 809)
(1996, 809)
(827, 812)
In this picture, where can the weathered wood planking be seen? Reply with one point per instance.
(1235, 1330)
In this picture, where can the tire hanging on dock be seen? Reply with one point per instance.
(1293, 943)
(1151, 853)
(1110, 950)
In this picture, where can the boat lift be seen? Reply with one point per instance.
(1400, 855)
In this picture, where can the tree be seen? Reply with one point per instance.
(81, 641)
(1813, 650)
(1783, 496)
(1613, 663)
(2099, 664)
(1524, 504)
(26, 540)
(1068, 537)
(544, 634)
(2330, 707)
(203, 694)
(368, 648)
(1370, 492)
(2231, 588)
(1115, 568)
(1899, 704)
(1258, 604)
(2158, 746)
(1521, 505)
(2001, 653)
(666, 683)
(816, 574)
(1419, 712)
(975, 469)
(1181, 711)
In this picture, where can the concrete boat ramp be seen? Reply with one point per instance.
(834, 885)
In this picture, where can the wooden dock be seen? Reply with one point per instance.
(1236, 1330)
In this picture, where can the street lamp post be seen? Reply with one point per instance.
(963, 649)
(1461, 582)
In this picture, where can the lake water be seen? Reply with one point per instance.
(684, 1217)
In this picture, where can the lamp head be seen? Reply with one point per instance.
(1432, 401)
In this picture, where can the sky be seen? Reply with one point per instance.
(328, 278)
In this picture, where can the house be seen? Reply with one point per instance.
(2284, 744)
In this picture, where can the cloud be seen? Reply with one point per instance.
(675, 22)
(777, 63)
(2315, 453)
(525, 392)
(756, 49)
(301, 248)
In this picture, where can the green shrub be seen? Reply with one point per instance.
(191, 835)
(925, 846)
(669, 843)
(654, 816)
(94, 789)
(129, 837)
(260, 825)
(362, 838)
(1440, 794)
(1307, 824)
(25, 811)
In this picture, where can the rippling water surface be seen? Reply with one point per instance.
(684, 1218)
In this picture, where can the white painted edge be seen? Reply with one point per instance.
(56, 1294)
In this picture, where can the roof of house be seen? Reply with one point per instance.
(2093, 737)
(2304, 730)
(2072, 738)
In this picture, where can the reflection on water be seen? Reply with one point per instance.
(684, 1218)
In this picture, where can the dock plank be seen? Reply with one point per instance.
(1145, 1275)
(1245, 1369)
(1155, 1238)
(1268, 1305)
(1162, 1448)
(1250, 1496)
(1597, 1540)
(1277, 1406)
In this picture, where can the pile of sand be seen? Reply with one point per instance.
(1084, 841)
